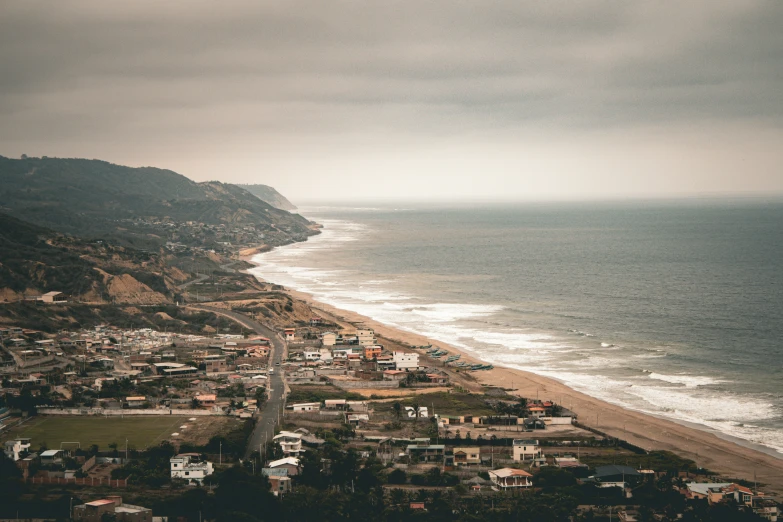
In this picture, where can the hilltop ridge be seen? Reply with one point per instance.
(269, 195)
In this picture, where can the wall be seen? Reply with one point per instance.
(117, 413)
(353, 385)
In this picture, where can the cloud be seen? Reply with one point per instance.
(285, 92)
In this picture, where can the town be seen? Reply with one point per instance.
(318, 409)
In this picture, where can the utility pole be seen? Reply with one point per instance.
(221, 453)
(126, 449)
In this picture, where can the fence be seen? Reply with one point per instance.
(89, 481)
(356, 385)
(119, 413)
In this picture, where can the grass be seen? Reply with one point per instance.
(444, 403)
(141, 432)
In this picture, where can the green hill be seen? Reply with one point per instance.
(269, 195)
(97, 199)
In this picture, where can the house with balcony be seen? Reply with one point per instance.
(290, 442)
(190, 467)
(510, 478)
(15, 449)
(467, 456)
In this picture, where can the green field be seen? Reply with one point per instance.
(141, 432)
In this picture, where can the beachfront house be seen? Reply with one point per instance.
(526, 449)
(406, 361)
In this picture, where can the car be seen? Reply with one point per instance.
(277, 364)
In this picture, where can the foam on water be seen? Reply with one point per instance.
(609, 371)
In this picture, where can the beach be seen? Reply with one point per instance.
(729, 459)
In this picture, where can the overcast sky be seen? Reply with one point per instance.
(435, 99)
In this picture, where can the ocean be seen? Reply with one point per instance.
(670, 308)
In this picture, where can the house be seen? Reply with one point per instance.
(216, 365)
(357, 418)
(289, 334)
(436, 378)
(365, 336)
(290, 464)
(537, 411)
(426, 452)
(14, 449)
(507, 478)
(467, 456)
(394, 375)
(614, 475)
(306, 406)
(112, 508)
(372, 351)
(190, 467)
(290, 442)
(135, 402)
(406, 361)
(526, 449)
(312, 355)
(328, 338)
(54, 298)
(206, 401)
(315, 321)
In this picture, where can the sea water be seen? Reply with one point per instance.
(671, 308)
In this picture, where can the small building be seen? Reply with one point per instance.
(135, 402)
(526, 449)
(206, 400)
(289, 334)
(99, 510)
(279, 485)
(54, 456)
(306, 406)
(467, 456)
(335, 404)
(54, 298)
(190, 467)
(508, 478)
(406, 360)
(436, 378)
(614, 475)
(365, 337)
(394, 375)
(290, 464)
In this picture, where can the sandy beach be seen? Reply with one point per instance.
(728, 458)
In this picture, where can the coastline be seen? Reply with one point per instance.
(708, 449)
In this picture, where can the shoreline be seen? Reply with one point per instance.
(716, 452)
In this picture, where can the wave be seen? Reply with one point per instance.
(690, 381)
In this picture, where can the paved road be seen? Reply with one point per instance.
(273, 409)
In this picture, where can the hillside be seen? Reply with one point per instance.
(135, 206)
(34, 260)
(269, 195)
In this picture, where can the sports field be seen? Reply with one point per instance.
(141, 432)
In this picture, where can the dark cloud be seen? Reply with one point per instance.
(356, 84)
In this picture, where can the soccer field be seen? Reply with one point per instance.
(141, 432)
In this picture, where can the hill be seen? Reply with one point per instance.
(269, 195)
(34, 260)
(137, 206)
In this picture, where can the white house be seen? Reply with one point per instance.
(14, 448)
(289, 334)
(312, 356)
(406, 360)
(290, 442)
(306, 406)
(329, 338)
(507, 478)
(291, 464)
(188, 466)
(526, 449)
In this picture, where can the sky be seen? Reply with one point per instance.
(438, 100)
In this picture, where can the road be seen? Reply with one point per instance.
(273, 409)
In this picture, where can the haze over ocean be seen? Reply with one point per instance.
(672, 308)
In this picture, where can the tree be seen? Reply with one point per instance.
(397, 476)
